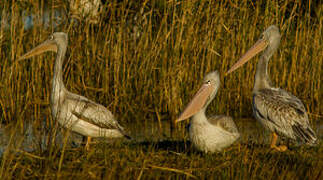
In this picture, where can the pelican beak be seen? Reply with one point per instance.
(197, 103)
(259, 46)
(48, 45)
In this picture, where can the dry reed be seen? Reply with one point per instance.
(144, 61)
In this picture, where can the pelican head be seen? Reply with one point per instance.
(268, 42)
(51, 44)
(203, 97)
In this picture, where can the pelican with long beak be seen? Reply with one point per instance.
(276, 109)
(73, 111)
(208, 134)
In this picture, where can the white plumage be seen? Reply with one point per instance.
(73, 111)
(209, 134)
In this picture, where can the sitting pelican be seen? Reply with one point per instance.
(73, 111)
(208, 134)
(277, 110)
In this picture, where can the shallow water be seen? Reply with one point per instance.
(249, 129)
(48, 19)
(30, 140)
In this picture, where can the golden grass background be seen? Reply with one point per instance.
(144, 60)
(154, 71)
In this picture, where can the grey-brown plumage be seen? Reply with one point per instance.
(81, 108)
(276, 109)
(73, 111)
(283, 113)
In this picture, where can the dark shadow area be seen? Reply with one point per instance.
(165, 145)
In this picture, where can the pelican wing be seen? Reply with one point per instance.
(283, 112)
(92, 112)
(225, 122)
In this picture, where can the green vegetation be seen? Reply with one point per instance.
(144, 61)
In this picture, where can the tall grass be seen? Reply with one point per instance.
(148, 61)
(144, 61)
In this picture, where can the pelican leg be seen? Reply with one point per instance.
(273, 145)
(87, 145)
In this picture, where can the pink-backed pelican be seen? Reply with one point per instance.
(276, 109)
(73, 111)
(208, 134)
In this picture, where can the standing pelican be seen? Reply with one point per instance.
(279, 111)
(213, 133)
(73, 111)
